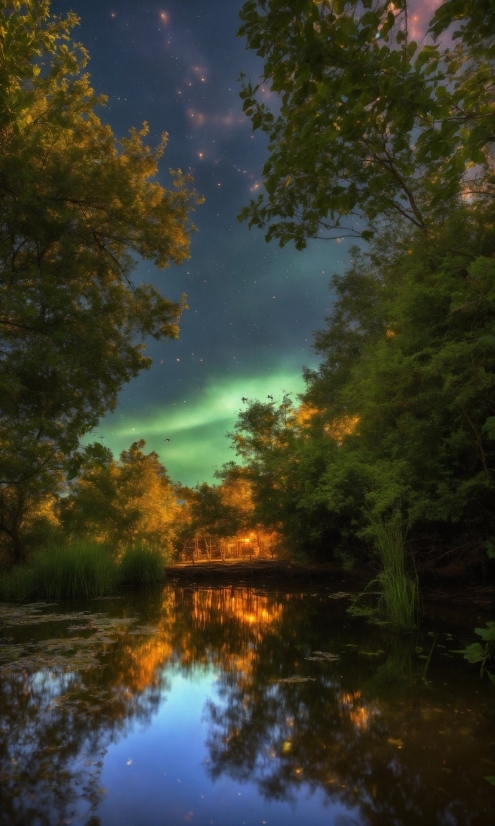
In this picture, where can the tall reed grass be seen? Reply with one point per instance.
(398, 596)
(140, 565)
(80, 569)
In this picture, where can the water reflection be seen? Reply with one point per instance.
(304, 701)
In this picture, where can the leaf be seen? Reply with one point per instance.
(473, 653)
(487, 634)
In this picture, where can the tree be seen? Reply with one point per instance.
(122, 502)
(217, 512)
(77, 207)
(284, 457)
(368, 124)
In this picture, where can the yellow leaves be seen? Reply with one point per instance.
(305, 414)
(127, 501)
(340, 428)
(237, 493)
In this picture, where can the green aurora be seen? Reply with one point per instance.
(197, 428)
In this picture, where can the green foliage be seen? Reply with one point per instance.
(121, 502)
(80, 569)
(399, 413)
(78, 206)
(477, 653)
(211, 513)
(17, 584)
(398, 599)
(368, 123)
(141, 565)
(267, 437)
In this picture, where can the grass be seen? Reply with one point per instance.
(79, 569)
(141, 565)
(398, 597)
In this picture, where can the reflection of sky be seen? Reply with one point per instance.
(253, 307)
(217, 705)
(167, 783)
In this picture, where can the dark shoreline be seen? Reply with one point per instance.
(266, 570)
(281, 572)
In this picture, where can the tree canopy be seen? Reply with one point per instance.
(77, 209)
(375, 136)
(366, 123)
(122, 502)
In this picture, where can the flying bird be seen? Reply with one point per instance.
(270, 397)
(244, 399)
(167, 440)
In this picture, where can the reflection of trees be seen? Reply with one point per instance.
(56, 726)
(362, 730)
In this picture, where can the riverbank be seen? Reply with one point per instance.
(280, 572)
(260, 570)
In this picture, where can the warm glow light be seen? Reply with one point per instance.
(359, 714)
(342, 427)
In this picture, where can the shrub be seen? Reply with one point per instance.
(141, 565)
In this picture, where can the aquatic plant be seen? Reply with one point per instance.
(477, 653)
(141, 565)
(398, 597)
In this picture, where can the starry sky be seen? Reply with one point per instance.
(252, 306)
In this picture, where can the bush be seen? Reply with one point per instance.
(81, 569)
(141, 565)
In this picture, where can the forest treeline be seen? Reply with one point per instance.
(390, 141)
(375, 138)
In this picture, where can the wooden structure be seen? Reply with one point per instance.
(205, 547)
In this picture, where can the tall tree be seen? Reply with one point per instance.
(77, 207)
(368, 124)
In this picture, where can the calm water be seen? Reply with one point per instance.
(237, 706)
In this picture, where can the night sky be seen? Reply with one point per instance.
(252, 306)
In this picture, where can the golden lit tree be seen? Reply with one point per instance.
(122, 502)
(77, 208)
